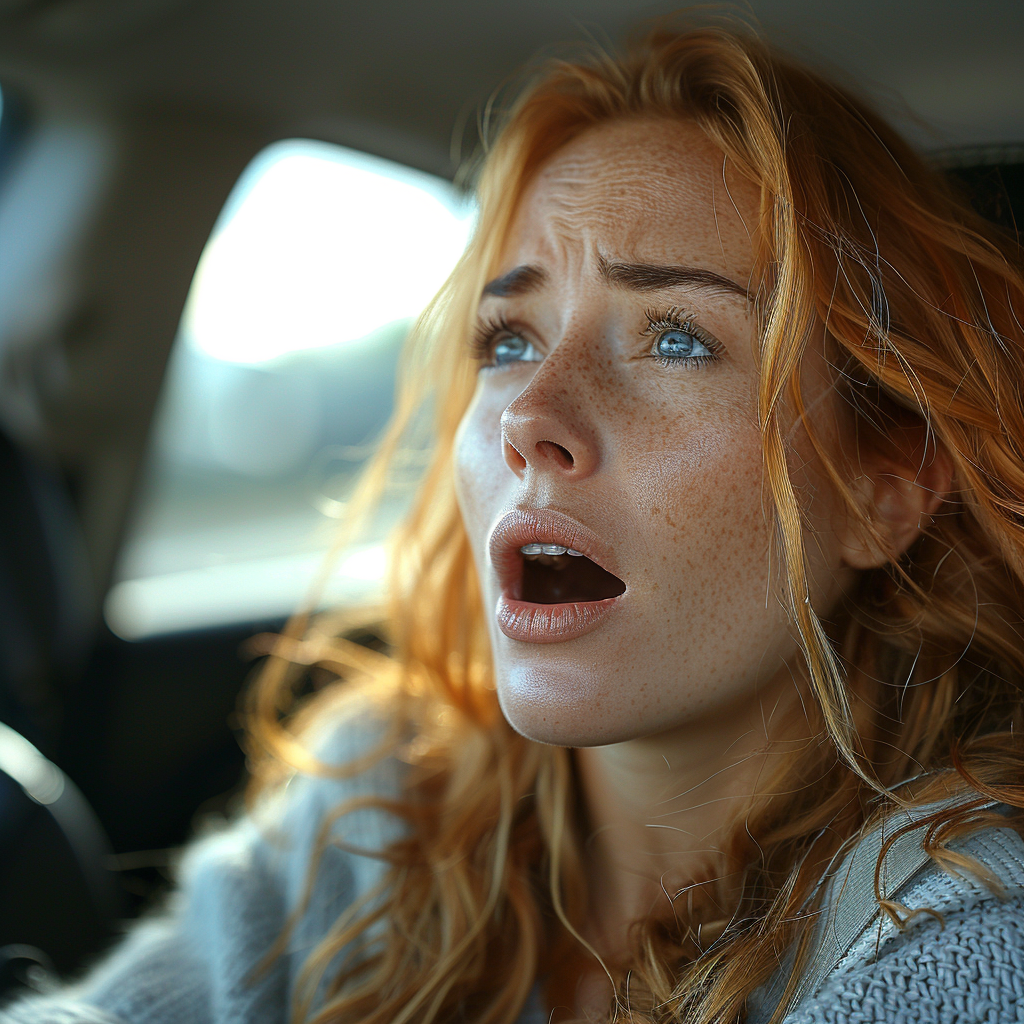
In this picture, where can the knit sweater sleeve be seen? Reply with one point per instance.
(966, 968)
(212, 956)
(187, 962)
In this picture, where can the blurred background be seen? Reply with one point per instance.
(217, 220)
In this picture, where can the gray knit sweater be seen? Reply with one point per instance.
(194, 963)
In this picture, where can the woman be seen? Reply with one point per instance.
(702, 699)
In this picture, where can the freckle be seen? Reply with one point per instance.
(655, 511)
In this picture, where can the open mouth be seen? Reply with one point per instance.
(553, 574)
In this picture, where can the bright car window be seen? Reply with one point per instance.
(280, 378)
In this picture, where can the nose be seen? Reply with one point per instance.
(546, 430)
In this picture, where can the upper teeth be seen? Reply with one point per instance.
(549, 549)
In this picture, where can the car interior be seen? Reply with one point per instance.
(217, 220)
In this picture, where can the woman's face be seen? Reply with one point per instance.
(615, 416)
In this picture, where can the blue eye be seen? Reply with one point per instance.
(676, 343)
(678, 340)
(513, 349)
(497, 343)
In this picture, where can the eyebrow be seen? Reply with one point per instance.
(637, 277)
(522, 279)
(652, 277)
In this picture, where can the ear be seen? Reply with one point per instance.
(902, 481)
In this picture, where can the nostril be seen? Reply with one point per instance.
(562, 456)
(514, 457)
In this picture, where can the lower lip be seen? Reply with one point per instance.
(551, 623)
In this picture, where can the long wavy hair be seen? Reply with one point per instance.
(921, 680)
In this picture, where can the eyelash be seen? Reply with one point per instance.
(678, 319)
(481, 344)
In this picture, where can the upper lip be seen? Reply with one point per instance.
(541, 526)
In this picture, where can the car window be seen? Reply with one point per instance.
(279, 381)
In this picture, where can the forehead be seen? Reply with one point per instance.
(649, 189)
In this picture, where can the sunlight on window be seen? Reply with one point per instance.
(280, 380)
(326, 247)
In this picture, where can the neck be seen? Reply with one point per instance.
(663, 812)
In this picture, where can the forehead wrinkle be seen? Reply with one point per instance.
(593, 197)
(574, 205)
(591, 180)
(564, 237)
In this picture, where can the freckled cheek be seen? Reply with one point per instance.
(701, 502)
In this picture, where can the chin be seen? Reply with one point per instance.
(564, 708)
